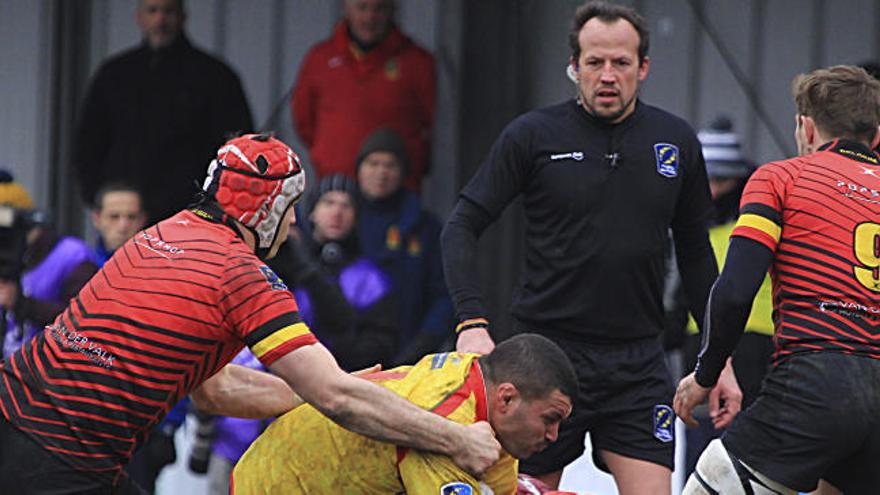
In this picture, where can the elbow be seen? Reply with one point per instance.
(336, 406)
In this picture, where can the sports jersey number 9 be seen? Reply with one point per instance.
(867, 248)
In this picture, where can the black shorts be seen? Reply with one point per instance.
(818, 416)
(625, 402)
(33, 470)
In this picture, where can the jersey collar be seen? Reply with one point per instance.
(852, 150)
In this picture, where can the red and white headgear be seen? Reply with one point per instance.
(255, 179)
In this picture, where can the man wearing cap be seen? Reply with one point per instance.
(163, 318)
(404, 239)
(344, 297)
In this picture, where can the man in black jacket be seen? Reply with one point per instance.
(603, 177)
(154, 115)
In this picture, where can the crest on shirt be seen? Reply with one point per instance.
(413, 246)
(274, 280)
(392, 69)
(456, 488)
(664, 422)
(392, 238)
(667, 159)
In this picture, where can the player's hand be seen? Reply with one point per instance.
(725, 400)
(479, 449)
(8, 293)
(476, 340)
(688, 396)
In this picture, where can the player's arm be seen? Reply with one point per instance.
(373, 411)
(459, 240)
(242, 392)
(730, 303)
(502, 177)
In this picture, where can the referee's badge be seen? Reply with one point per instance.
(666, 156)
(664, 422)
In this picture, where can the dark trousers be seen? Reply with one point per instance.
(26, 468)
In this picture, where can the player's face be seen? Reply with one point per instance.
(283, 230)
(120, 218)
(531, 425)
(369, 20)
(333, 216)
(608, 70)
(161, 21)
(380, 175)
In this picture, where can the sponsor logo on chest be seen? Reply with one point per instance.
(571, 155)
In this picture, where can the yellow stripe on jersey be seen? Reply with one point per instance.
(760, 223)
(279, 337)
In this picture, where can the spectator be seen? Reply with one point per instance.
(154, 115)
(117, 214)
(342, 295)
(367, 75)
(404, 239)
(48, 272)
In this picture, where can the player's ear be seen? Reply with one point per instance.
(507, 396)
(809, 128)
(876, 141)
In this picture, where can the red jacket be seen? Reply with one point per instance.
(342, 95)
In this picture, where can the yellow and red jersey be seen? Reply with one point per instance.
(820, 215)
(304, 452)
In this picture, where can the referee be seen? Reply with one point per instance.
(603, 178)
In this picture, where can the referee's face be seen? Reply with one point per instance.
(608, 70)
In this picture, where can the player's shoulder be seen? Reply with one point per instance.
(659, 118)
(188, 229)
(785, 169)
(436, 377)
(541, 120)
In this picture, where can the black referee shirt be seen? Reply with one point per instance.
(599, 201)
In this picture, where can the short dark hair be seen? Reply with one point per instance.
(533, 364)
(116, 186)
(843, 101)
(607, 13)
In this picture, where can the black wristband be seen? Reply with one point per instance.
(471, 324)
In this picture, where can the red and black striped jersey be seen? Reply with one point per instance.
(820, 215)
(171, 307)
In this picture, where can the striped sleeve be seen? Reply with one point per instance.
(262, 311)
(760, 216)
